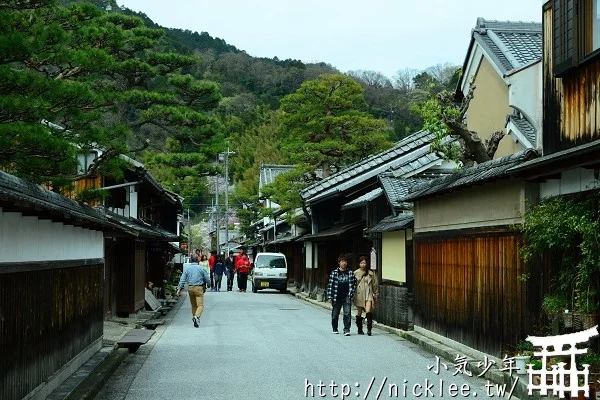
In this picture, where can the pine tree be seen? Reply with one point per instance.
(76, 78)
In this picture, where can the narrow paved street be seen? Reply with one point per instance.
(273, 346)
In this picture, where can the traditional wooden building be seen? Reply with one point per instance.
(346, 204)
(51, 287)
(149, 217)
(571, 94)
(279, 235)
(466, 237)
(466, 251)
(503, 67)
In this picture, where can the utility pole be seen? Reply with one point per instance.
(189, 234)
(217, 213)
(227, 200)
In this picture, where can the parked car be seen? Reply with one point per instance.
(270, 272)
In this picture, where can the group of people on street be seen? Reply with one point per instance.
(346, 288)
(202, 274)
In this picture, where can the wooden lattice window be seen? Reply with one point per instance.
(563, 40)
(590, 30)
(576, 32)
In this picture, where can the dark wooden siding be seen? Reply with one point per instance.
(128, 262)
(298, 264)
(352, 244)
(294, 253)
(158, 256)
(571, 101)
(393, 304)
(466, 289)
(47, 317)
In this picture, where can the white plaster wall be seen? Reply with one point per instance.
(133, 202)
(472, 68)
(490, 204)
(309, 254)
(571, 181)
(27, 238)
(393, 261)
(525, 93)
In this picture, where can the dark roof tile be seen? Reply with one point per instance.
(489, 170)
(405, 154)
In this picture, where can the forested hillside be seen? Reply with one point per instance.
(175, 99)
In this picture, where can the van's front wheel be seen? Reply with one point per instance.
(254, 288)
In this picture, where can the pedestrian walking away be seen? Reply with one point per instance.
(242, 266)
(230, 266)
(366, 295)
(204, 263)
(211, 264)
(340, 292)
(218, 271)
(196, 278)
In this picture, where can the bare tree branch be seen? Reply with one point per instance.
(492, 144)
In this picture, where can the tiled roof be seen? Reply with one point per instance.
(512, 45)
(582, 155)
(270, 226)
(335, 232)
(426, 159)
(396, 189)
(525, 127)
(140, 172)
(486, 171)
(285, 239)
(20, 195)
(268, 173)
(139, 228)
(410, 153)
(364, 199)
(393, 223)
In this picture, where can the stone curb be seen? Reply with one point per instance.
(95, 377)
(91, 376)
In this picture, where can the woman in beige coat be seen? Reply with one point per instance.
(366, 295)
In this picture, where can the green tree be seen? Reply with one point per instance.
(444, 116)
(98, 82)
(258, 144)
(325, 126)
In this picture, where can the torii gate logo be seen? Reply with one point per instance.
(559, 379)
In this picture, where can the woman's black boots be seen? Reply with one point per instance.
(369, 323)
(359, 325)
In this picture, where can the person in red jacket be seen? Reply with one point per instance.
(242, 266)
(211, 264)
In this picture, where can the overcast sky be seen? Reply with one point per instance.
(378, 35)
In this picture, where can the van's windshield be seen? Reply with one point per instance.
(265, 261)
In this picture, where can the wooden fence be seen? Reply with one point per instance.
(394, 307)
(470, 288)
(48, 314)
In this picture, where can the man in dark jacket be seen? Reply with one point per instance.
(340, 291)
(230, 266)
(218, 271)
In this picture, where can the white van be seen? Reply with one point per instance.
(270, 272)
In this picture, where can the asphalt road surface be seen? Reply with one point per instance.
(270, 345)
